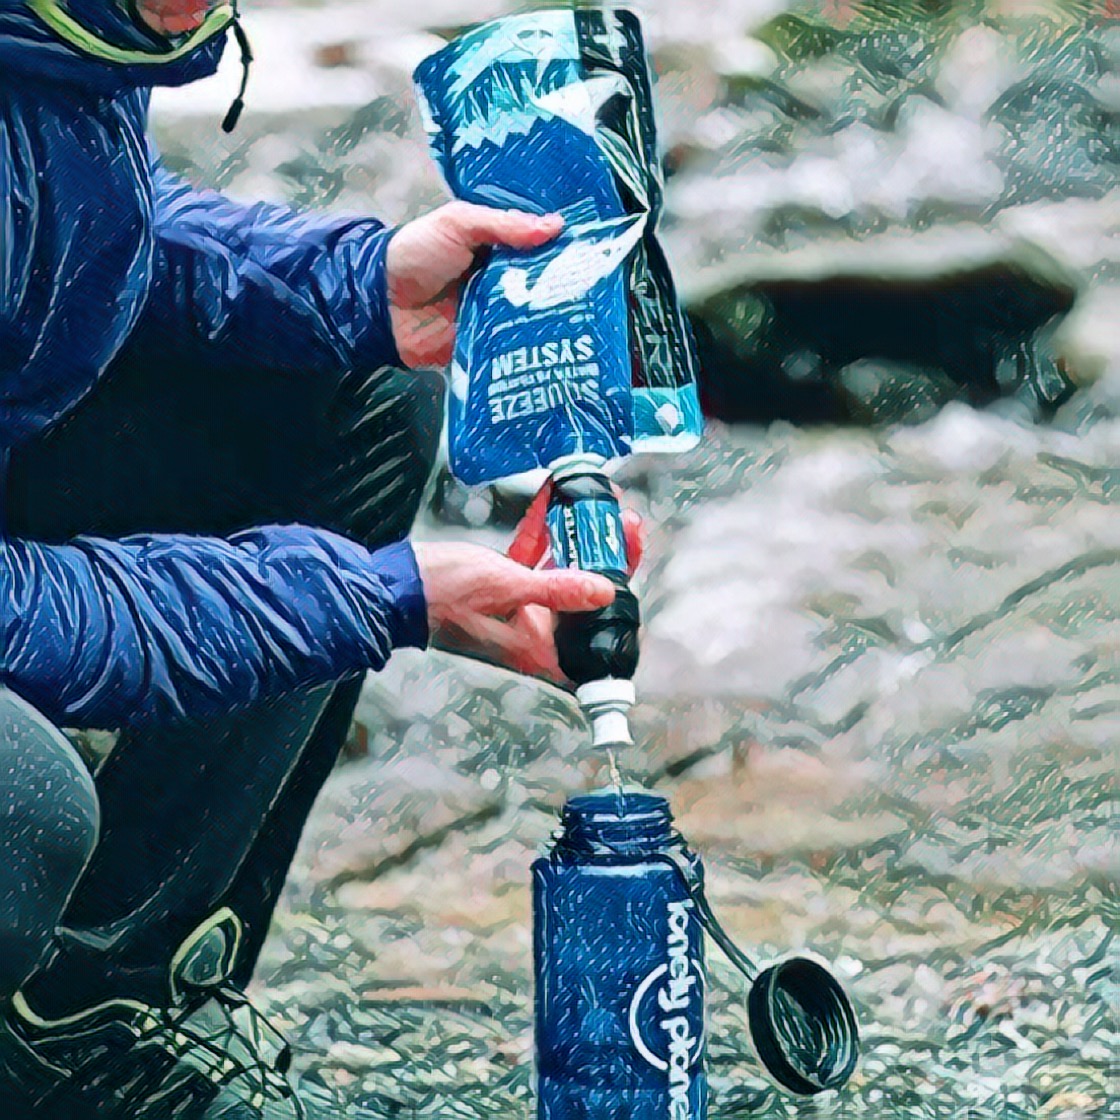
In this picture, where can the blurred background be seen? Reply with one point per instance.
(881, 664)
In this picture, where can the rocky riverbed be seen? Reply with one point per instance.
(881, 666)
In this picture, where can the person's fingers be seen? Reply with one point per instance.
(535, 625)
(565, 589)
(530, 539)
(477, 635)
(425, 336)
(523, 643)
(477, 226)
(634, 533)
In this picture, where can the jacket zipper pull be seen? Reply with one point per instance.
(233, 114)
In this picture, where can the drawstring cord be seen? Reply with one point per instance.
(269, 1080)
(233, 114)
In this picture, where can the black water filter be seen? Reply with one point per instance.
(598, 650)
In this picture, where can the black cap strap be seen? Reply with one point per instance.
(802, 1023)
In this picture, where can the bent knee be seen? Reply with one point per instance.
(48, 800)
(48, 805)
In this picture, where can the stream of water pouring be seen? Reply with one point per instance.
(616, 774)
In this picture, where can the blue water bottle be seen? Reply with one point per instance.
(619, 966)
(619, 914)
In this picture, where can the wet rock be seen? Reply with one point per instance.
(878, 392)
(780, 333)
(872, 126)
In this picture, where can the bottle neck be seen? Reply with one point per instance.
(616, 822)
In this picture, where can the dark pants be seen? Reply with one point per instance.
(202, 816)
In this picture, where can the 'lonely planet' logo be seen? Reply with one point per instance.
(667, 1013)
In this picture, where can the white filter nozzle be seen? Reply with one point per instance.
(607, 705)
(610, 729)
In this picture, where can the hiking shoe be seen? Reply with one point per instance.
(209, 1056)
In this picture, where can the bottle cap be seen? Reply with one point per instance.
(614, 822)
(801, 1021)
(611, 729)
(803, 1026)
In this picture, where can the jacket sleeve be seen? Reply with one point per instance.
(294, 291)
(158, 628)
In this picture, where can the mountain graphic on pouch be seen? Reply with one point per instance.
(575, 270)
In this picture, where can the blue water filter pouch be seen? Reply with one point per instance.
(580, 346)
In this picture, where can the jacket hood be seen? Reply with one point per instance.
(34, 43)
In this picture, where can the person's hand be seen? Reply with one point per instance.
(503, 609)
(427, 261)
(485, 605)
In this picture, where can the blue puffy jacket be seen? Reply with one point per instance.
(96, 243)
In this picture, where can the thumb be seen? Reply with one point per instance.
(565, 590)
(477, 226)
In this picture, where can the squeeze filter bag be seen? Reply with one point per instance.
(579, 346)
